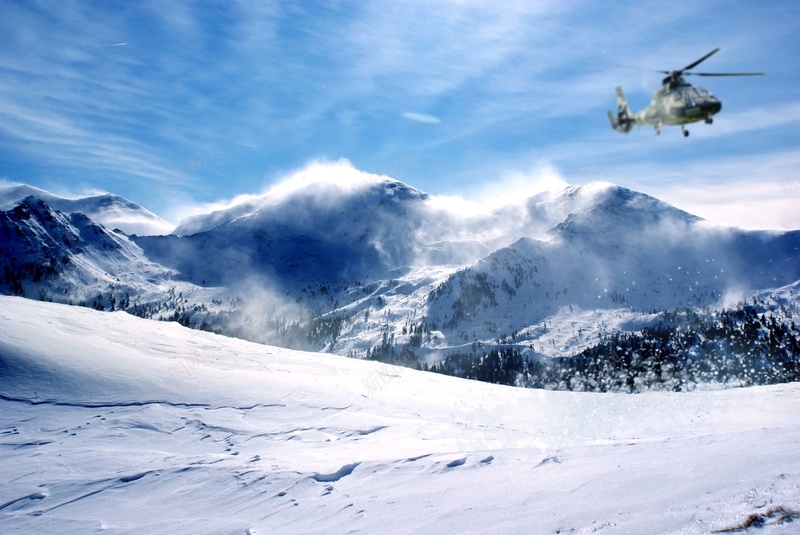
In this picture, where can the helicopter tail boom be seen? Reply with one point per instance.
(623, 122)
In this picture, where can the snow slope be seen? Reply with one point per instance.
(116, 424)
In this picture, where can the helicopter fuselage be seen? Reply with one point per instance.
(678, 104)
(675, 103)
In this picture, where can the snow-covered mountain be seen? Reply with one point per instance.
(51, 255)
(379, 268)
(111, 211)
(592, 259)
(319, 233)
(112, 423)
(624, 250)
(610, 233)
(346, 232)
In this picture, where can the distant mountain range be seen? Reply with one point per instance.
(111, 211)
(379, 270)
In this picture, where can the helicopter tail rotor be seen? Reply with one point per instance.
(623, 122)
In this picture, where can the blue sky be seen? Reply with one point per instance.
(176, 105)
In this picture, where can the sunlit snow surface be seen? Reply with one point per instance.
(116, 424)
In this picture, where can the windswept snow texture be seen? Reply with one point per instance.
(113, 423)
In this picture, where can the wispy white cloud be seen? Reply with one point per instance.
(509, 189)
(8, 182)
(746, 204)
(316, 177)
(421, 117)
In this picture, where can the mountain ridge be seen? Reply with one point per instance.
(49, 254)
(110, 210)
(380, 269)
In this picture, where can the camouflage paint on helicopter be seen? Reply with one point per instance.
(676, 102)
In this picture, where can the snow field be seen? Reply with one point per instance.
(116, 424)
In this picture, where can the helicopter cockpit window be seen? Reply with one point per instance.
(694, 95)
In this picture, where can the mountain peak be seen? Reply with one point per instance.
(112, 211)
(616, 210)
(315, 192)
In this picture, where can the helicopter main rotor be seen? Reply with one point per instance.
(676, 76)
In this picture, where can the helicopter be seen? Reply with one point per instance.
(676, 102)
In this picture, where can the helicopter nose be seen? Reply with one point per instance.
(712, 106)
